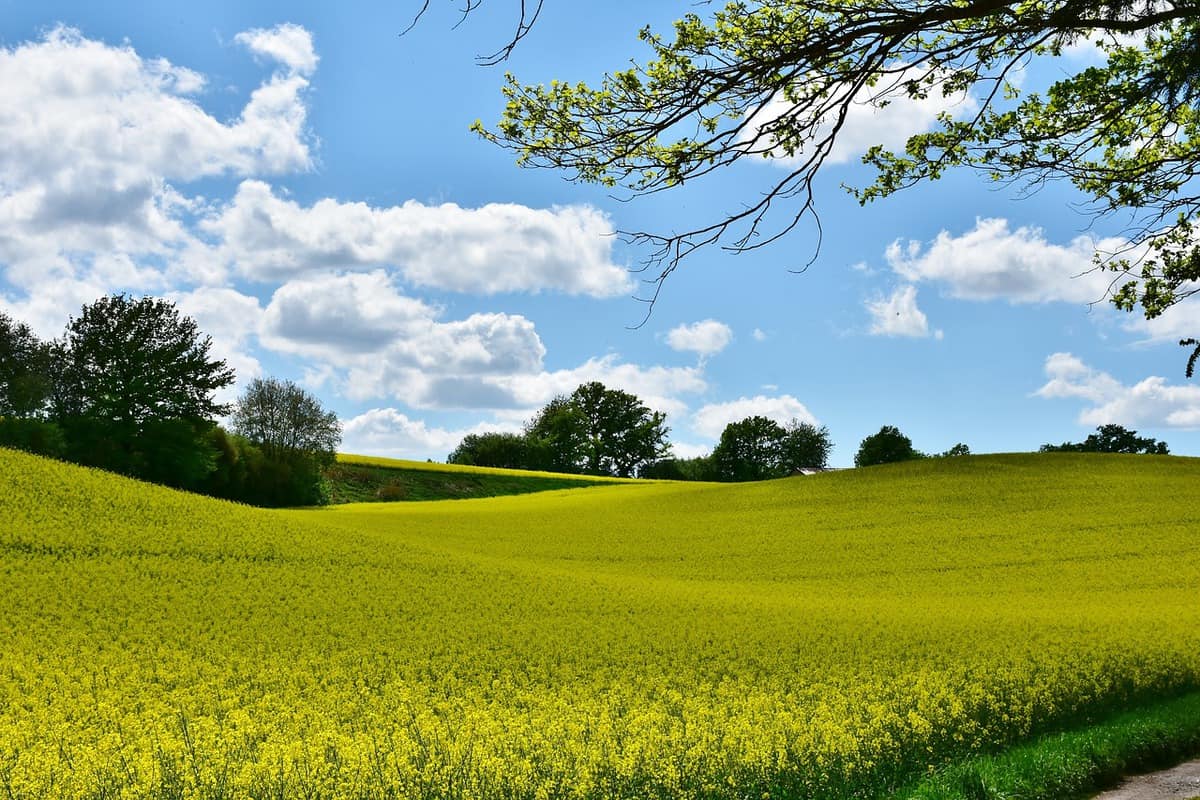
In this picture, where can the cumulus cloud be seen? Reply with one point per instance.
(880, 115)
(1180, 321)
(499, 247)
(1151, 402)
(363, 328)
(390, 432)
(992, 261)
(710, 420)
(705, 338)
(898, 315)
(96, 141)
(233, 320)
(289, 44)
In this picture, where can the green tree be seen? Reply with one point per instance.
(885, 447)
(700, 468)
(297, 439)
(508, 450)
(749, 450)
(762, 78)
(598, 431)
(757, 448)
(24, 370)
(1111, 439)
(805, 446)
(134, 390)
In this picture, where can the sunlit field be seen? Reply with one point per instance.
(841, 635)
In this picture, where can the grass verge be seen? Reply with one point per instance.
(1077, 763)
(352, 480)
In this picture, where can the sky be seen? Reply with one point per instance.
(302, 181)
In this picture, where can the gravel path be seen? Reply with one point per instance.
(1177, 783)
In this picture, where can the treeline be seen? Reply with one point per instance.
(129, 387)
(600, 431)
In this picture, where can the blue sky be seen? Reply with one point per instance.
(302, 181)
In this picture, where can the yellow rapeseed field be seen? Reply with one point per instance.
(832, 636)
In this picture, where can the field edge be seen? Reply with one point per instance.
(1076, 763)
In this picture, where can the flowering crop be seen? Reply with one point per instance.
(831, 636)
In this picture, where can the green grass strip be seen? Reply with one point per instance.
(1077, 763)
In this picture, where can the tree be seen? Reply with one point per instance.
(134, 390)
(24, 370)
(757, 448)
(598, 431)
(959, 449)
(805, 446)
(764, 78)
(887, 446)
(749, 450)
(508, 450)
(1111, 439)
(285, 420)
(293, 438)
(700, 468)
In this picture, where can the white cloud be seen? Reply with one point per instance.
(96, 138)
(710, 420)
(1180, 321)
(993, 262)
(659, 387)
(389, 432)
(880, 115)
(499, 247)
(759, 335)
(233, 321)
(289, 44)
(1151, 402)
(687, 450)
(705, 338)
(898, 314)
(375, 341)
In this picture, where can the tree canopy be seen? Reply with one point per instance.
(24, 370)
(134, 387)
(885, 447)
(757, 448)
(599, 431)
(1111, 439)
(285, 420)
(766, 78)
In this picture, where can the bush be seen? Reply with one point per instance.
(33, 436)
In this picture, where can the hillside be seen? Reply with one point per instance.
(365, 479)
(848, 634)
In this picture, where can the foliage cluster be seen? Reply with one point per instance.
(779, 79)
(592, 431)
(829, 637)
(130, 388)
(1111, 439)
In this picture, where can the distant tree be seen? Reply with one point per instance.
(700, 468)
(134, 390)
(508, 450)
(749, 450)
(959, 449)
(598, 431)
(296, 437)
(555, 437)
(805, 446)
(757, 448)
(1111, 439)
(283, 419)
(24, 370)
(886, 446)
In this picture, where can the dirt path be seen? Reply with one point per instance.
(1177, 783)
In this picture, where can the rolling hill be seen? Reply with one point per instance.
(867, 633)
